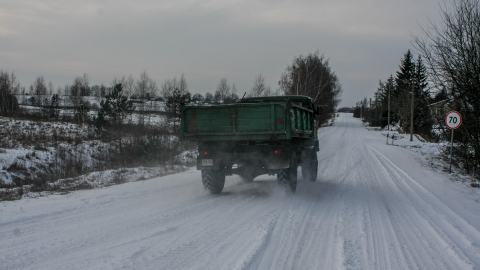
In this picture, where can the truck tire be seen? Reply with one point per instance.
(213, 180)
(310, 166)
(287, 178)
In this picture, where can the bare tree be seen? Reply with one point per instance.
(259, 88)
(152, 92)
(78, 90)
(117, 80)
(234, 91)
(75, 91)
(182, 85)
(16, 87)
(38, 89)
(171, 84)
(85, 88)
(312, 76)
(223, 90)
(452, 55)
(39, 86)
(103, 90)
(143, 86)
(152, 88)
(50, 88)
(129, 85)
(168, 87)
(142, 89)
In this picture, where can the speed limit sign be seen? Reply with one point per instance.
(453, 120)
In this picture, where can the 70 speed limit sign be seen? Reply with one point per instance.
(453, 120)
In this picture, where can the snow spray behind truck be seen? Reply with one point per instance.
(261, 135)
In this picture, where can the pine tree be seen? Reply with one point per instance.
(8, 101)
(421, 73)
(402, 93)
(407, 67)
(172, 108)
(54, 103)
(422, 117)
(441, 95)
(115, 108)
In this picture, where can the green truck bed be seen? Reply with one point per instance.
(255, 136)
(275, 120)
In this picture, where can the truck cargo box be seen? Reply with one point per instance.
(273, 120)
(255, 136)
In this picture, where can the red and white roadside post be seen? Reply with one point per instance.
(453, 121)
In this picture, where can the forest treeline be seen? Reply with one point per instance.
(444, 76)
(113, 133)
(308, 75)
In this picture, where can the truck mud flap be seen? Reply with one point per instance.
(279, 163)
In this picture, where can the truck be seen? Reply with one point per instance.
(254, 136)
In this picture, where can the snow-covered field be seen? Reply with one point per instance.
(34, 149)
(374, 206)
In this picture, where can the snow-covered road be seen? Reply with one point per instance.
(373, 207)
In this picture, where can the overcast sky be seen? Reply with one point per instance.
(207, 40)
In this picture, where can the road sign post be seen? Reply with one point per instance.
(453, 121)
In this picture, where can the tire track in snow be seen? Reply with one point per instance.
(448, 233)
(362, 213)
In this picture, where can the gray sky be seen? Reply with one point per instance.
(207, 40)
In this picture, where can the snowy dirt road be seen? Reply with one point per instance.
(373, 207)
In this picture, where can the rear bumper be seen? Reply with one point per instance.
(265, 158)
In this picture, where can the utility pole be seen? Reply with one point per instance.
(389, 106)
(411, 112)
(376, 109)
(361, 110)
(370, 110)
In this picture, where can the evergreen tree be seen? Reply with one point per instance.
(8, 101)
(46, 108)
(53, 109)
(407, 67)
(402, 93)
(441, 95)
(115, 108)
(172, 108)
(412, 76)
(421, 73)
(81, 111)
(422, 114)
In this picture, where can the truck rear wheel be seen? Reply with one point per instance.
(310, 166)
(287, 178)
(213, 180)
